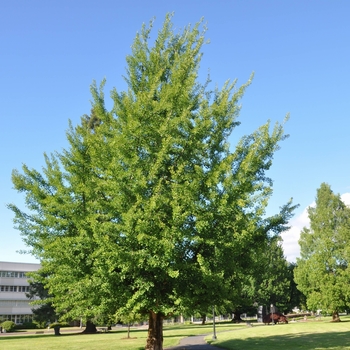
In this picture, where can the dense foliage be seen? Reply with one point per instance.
(8, 326)
(323, 272)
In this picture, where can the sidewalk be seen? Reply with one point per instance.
(194, 343)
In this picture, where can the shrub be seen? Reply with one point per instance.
(8, 326)
(27, 325)
(40, 324)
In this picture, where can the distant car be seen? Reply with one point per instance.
(276, 317)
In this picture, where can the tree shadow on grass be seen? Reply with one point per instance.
(304, 341)
(20, 335)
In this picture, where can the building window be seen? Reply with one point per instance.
(17, 318)
(22, 289)
(12, 274)
(14, 303)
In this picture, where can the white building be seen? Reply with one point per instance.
(14, 305)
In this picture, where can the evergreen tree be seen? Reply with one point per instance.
(265, 281)
(322, 271)
(273, 282)
(43, 311)
(296, 297)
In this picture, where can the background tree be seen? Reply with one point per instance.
(43, 311)
(266, 281)
(296, 298)
(150, 204)
(128, 318)
(322, 271)
(273, 278)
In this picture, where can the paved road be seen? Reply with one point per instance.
(194, 343)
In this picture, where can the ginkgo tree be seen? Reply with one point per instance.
(150, 203)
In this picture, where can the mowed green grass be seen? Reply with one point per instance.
(107, 341)
(310, 335)
(115, 340)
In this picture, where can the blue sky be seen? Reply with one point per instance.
(51, 51)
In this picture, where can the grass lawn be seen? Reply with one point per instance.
(309, 335)
(115, 340)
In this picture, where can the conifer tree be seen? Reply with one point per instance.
(322, 272)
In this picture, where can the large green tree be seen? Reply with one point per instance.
(150, 205)
(323, 272)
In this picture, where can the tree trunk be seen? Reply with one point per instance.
(155, 331)
(237, 316)
(57, 330)
(335, 316)
(90, 327)
(204, 318)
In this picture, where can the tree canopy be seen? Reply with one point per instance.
(149, 205)
(322, 271)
